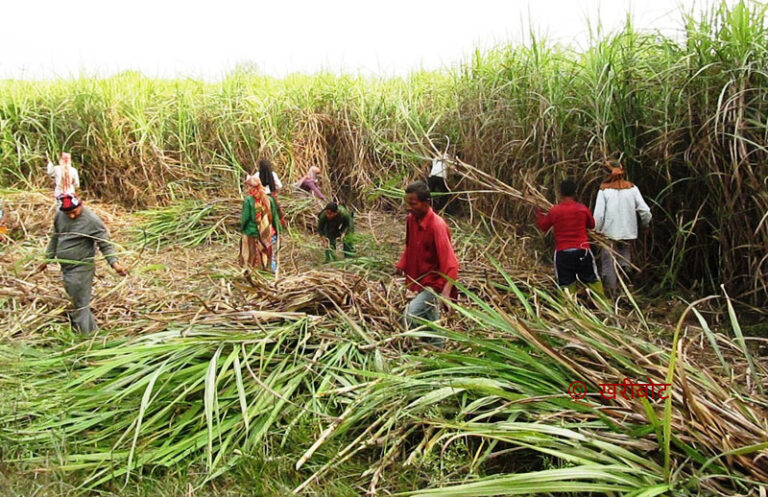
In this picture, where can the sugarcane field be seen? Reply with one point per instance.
(541, 270)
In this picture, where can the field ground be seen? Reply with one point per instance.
(188, 291)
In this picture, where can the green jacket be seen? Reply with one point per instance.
(248, 224)
(276, 214)
(333, 228)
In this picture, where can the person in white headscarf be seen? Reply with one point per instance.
(617, 208)
(437, 182)
(65, 176)
(308, 182)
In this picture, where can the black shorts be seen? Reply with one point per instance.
(572, 263)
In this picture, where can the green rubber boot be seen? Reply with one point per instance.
(597, 288)
(570, 289)
(599, 295)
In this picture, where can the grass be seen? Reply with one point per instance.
(187, 224)
(320, 398)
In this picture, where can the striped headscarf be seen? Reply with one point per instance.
(617, 180)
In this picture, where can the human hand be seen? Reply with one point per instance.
(446, 306)
(446, 303)
(119, 269)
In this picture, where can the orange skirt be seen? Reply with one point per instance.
(254, 253)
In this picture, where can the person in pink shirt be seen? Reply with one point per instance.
(428, 258)
(573, 257)
(308, 182)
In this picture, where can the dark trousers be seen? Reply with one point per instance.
(573, 263)
(347, 246)
(437, 184)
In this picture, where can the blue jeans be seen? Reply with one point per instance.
(425, 305)
(274, 253)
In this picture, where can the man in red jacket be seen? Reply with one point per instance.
(428, 257)
(573, 258)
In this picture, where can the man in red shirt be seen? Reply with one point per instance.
(428, 257)
(571, 220)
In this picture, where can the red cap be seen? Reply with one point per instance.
(68, 202)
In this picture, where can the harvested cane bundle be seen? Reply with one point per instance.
(31, 213)
(320, 292)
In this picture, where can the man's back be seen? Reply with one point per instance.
(616, 212)
(570, 221)
(66, 179)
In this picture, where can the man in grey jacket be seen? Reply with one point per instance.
(618, 206)
(76, 232)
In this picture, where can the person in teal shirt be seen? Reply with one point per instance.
(76, 233)
(333, 222)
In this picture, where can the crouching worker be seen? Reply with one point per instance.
(309, 181)
(76, 232)
(573, 257)
(428, 258)
(335, 221)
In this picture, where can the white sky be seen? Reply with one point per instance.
(172, 38)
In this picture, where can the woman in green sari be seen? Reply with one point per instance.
(256, 227)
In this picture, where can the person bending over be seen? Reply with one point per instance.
(334, 222)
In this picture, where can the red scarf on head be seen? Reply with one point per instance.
(256, 192)
(617, 180)
(261, 199)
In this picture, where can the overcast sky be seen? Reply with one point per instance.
(172, 38)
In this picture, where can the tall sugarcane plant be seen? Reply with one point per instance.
(686, 117)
